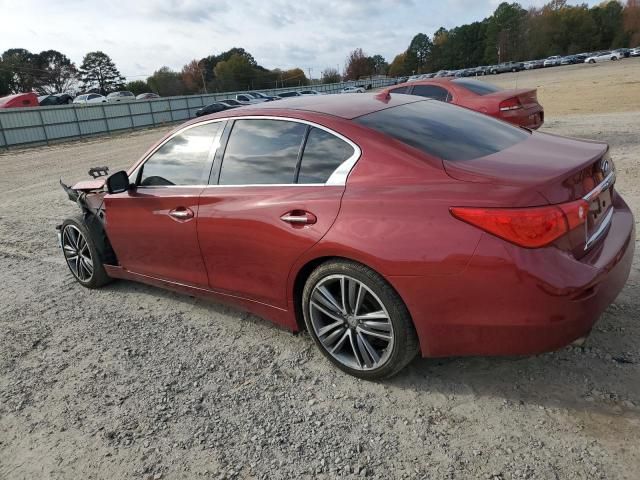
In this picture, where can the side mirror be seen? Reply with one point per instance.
(118, 182)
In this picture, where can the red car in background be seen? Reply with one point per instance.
(519, 106)
(19, 100)
(385, 225)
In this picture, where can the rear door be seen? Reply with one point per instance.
(276, 191)
(152, 228)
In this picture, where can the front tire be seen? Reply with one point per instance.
(358, 320)
(81, 255)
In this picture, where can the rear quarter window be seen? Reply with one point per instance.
(443, 130)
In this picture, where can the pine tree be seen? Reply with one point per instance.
(99, 73)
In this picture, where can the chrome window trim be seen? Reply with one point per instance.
(214, 148)
(337, 178)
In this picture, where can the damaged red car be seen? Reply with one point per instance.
(518, 106)
(387, 226)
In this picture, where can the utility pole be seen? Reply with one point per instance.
(204, 84)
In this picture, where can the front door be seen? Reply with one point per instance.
(153, 227)
(275, 196)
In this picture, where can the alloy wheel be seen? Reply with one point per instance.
(77, 253)
(351, 322)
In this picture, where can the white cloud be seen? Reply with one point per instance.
(144, 35)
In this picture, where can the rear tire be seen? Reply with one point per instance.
(81, 255)
(358, 321)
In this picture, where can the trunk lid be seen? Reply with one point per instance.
(561, 169)
(527, 97)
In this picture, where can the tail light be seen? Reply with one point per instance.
(527, 227)
(510, 104)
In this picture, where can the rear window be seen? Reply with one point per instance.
(477, 87)
(443, 130)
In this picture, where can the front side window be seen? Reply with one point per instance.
(323, 153)
(262, 152)
(183, 160)
(431, 91)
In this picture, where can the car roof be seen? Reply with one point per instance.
(336, 105)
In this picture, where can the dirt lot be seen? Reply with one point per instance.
(135, 382)
(583, 88)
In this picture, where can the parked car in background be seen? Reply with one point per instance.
(247, 99)
(569, 60)
(352, 90)
(604, 57)
(289, 94)
(231, 102)
(214, 107)
(635, 52)
(623, 52)
(147, 96)
(90, 98)
(422, 228)
(506, 67)
(309, 92)
(263, 96)
(517, 106)
(553, 61)
(55, 99)
(19, 100)
(413, 78)
(124, 96)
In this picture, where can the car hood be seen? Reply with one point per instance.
(90, 185)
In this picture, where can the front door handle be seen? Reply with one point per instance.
(299, 217)
(181, 213)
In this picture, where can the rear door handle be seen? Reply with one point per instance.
(181, 213)
(299, 217)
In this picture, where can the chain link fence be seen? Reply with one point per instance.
(22, 127)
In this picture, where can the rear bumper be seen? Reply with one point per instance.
(514, 301)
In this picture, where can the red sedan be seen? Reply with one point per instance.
(384, 226)
(519, 106)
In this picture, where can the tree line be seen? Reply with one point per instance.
(51, 71)
(512, 33)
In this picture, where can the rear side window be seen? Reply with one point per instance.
(323, 153)
(443, 130)
(262, 152)
(431, 91)
(183, 160)
(400, 90)
(477, 87)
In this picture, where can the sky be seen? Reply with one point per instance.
(143, 35)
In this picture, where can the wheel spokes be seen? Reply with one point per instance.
(77, 253)
(351, 322)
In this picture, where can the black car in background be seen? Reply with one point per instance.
(214, 107)
(55, 99)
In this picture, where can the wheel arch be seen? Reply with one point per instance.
(305, 270)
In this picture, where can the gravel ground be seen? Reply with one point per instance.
(135, 382)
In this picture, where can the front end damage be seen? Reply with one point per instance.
(89, 195)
